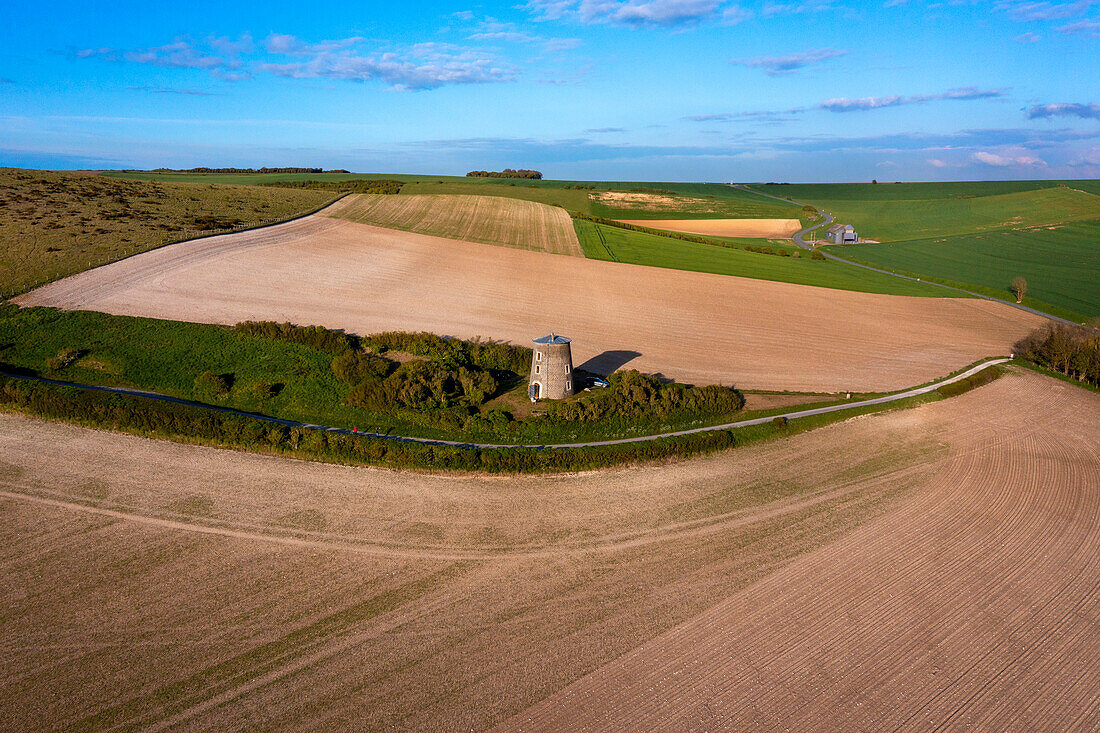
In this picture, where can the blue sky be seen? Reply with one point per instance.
(585, 89)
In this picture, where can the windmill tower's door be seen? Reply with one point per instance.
(533, 391)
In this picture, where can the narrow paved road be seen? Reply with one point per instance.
(801, 242)
(461, 444)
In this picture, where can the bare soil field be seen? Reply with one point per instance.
(763, 228)
(694, 327)
(486, 219)
(971, 606)
(152, 584)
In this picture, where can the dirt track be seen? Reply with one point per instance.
(768, 228)
(695, 327)
(934, 565)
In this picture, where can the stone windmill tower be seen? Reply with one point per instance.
(551, 369)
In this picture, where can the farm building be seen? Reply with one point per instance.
(842, 234)
(551, 369)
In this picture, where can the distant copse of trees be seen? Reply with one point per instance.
(506, 173)
(1070, 350)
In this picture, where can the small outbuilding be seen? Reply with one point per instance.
(842, 234)
(551, 369)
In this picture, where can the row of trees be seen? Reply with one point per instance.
(506, 173)
(1070, 350)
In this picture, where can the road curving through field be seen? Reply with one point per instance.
(793, 415)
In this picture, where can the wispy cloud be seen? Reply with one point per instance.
(1064, 109)
(1006, 161)
(180, 54)
(491, 29)
(632, 13)
(814, 6)
(288, 45)
(1087, 28)
(718, 117)
(846, 104)
(777, 65)
(168, 90)
(601, 130)
(1028, 37)
(6, 80)
(424, 66)
(1035, 11)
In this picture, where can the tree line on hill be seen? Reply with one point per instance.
(507, 173)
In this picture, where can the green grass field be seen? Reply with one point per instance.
(1061, 264)
(979, 235)
(602, 242)
(905, 219)
(54, 224)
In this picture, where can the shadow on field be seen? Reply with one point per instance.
(609, 361)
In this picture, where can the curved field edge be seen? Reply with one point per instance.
(196, 424)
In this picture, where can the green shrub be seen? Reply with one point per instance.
(355, 366)
(210, 387)
(318, 337)
(817, 255)
(64, 358)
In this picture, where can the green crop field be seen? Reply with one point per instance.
(1060, 263)
(54, 224)
(621, 245)
(978, 235)
(894, 220)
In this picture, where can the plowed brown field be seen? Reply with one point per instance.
(695, 327)
(975, 605)
(936, 565)
(777, 228)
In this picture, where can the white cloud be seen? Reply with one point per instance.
(1006, 161)
(845, 104)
